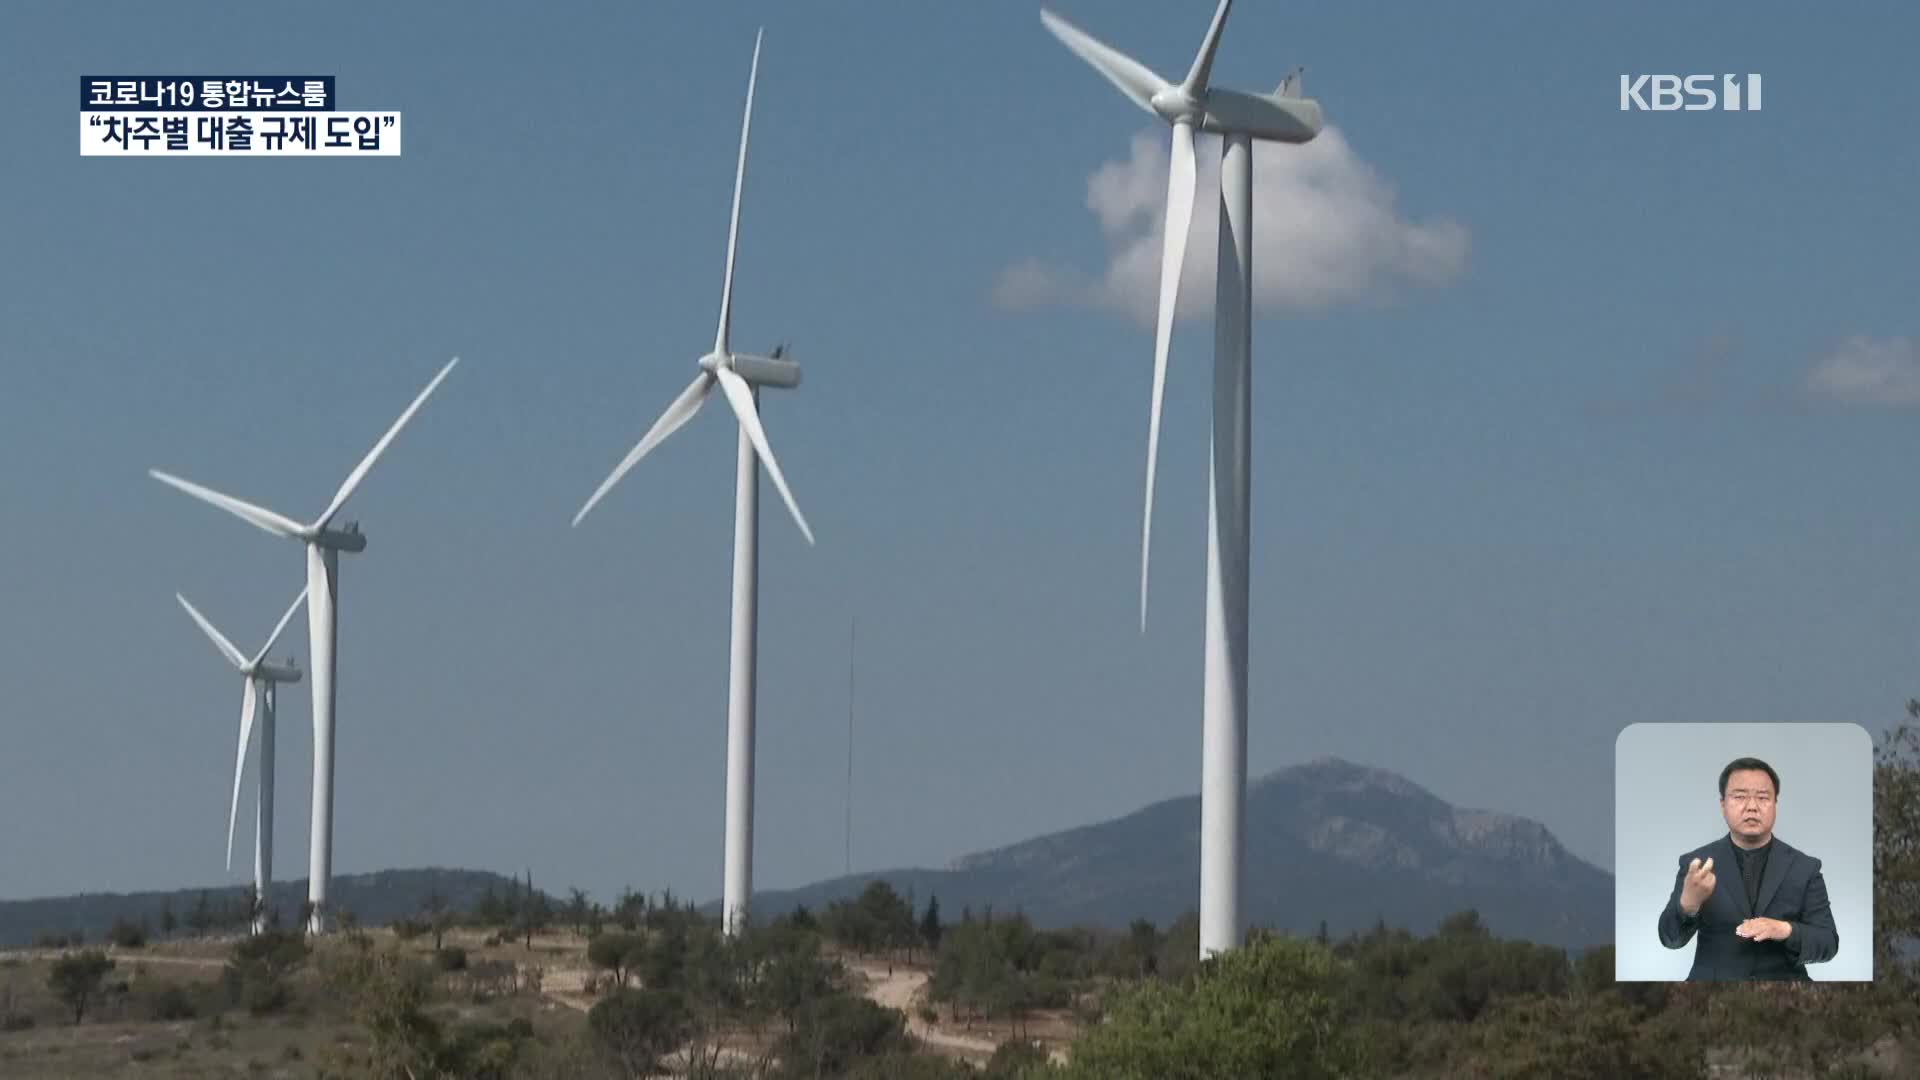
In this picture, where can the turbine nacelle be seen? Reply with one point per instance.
(767, 370)
(1271, 117)
(347, 539)
(275, 673)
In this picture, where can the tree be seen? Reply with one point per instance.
(577, 911)
(127, 934)
(1016, 1058)
(630, 910)
(536, 913)
(616, 953)
(489, 909)
(1896, 848)
(75, 979)
(930, 923)
(200, 919)
(1573, 1040)
(251, 908)
(1143, 938)
(168, 924)
(1266, 1009)
(836, 1032)
(639, 1027)
(438, 915)
(387, 994)
(1463, 924)
(791, 972)
(256, 973)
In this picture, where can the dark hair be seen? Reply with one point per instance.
(1744, 763)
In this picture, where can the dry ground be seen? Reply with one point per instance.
(117, 1038)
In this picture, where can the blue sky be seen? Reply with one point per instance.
(1579, 469)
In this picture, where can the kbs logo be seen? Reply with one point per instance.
(1693, 93)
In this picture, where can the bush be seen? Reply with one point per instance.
(1014, 1058)
(639, 1027)
(451, 958)
(835, 1033)
(170, 1001)
(256, 973)
(127, 935)
(16, 1022)
(1266, 1009)
(76, 979)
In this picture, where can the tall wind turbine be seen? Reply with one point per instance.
(1239, 118)
(739, 376)
(262, 680)
(324, 544)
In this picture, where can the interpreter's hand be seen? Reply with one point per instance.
(1764, 930)
(1697, 886)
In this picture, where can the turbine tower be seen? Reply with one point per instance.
(739, 376)
(324, 545)
(1238, 118)
(262, 685)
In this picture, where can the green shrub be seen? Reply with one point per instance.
(170, 1001)
(1014, 1058)
(1266, 1009)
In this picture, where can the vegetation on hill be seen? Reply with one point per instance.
(515, 985)
(374, 899)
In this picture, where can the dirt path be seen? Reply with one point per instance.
(902, 989)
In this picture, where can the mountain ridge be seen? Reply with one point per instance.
(1326, 839)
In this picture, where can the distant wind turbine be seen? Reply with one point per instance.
(262, 681)
(1283, 116)
(323, 544)
(739, 376)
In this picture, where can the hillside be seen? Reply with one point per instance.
(374, 899)
(1325, 840)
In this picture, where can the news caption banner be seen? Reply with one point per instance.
(234, 115)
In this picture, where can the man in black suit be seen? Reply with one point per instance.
(1773, 919)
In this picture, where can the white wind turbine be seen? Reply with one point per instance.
(324, 544)
(262, 680)
(1239, 118)
(739, 377)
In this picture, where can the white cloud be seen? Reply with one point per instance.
(1325, 231)
(1868, 371)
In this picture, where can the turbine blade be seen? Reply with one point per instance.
(257, 516)
(359, 472)
(1173, 251)
(721, 336)
(1196, 83)
(280, 627)
(741, 398)
(219, 640)
(672, 420)
(1134, 79)
(240, 763)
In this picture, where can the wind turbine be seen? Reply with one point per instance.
(262, 686)
(1239, 118)
(739, 376)
(324, 544)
